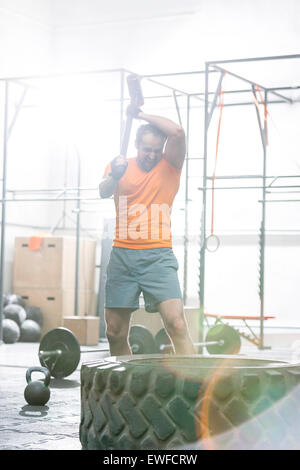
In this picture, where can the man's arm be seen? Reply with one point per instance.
(107, 186)
(110, 180)
(175, 147)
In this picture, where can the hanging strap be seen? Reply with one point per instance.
(266, 112)
(221, 105)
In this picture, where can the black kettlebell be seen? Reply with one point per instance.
(37, 393)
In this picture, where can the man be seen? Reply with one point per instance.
(142, 259)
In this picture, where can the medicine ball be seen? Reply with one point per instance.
(30, 331)
(35, 314)
(11, 331)
(4, 300)
(15, 299)
(15, 312)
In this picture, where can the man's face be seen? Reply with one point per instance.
(149, 151)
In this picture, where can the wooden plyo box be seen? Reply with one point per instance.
(86, 329)
(56, 304)
(153, 321)
(53, 264)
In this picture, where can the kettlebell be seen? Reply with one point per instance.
(37, 392)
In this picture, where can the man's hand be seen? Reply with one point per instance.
(118, 167)
(133, 111)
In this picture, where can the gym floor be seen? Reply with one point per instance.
(55, 426)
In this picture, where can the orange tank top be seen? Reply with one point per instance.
(143, 202)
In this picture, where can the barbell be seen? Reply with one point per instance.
(220, 339)
(60, 351)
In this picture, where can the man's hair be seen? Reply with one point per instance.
(148, 129)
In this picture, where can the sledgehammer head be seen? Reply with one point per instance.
(135, 90)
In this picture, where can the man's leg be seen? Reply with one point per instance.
(117, 328)
(175, 323)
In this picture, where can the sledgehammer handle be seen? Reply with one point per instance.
(137, 99)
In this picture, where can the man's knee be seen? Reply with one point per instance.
(176, 326)
(117, 325)
(115, 336)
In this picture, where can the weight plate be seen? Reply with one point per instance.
(63, 339)
(230, 336)
(141, 340)
(162, 338)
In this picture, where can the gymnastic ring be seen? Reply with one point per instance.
(217, 241)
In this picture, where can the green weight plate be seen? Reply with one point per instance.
(141, 340)
(230, 336)
(162, 338)
(64, 340)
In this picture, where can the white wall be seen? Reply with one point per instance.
(26, 44)
(154, 37)
(26, 37)
(193, 32)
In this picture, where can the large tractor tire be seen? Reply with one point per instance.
(173, 402)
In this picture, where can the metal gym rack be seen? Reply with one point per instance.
(222, 67)
(202, 97)
(56, 194)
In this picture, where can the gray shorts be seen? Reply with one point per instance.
(152, 272)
